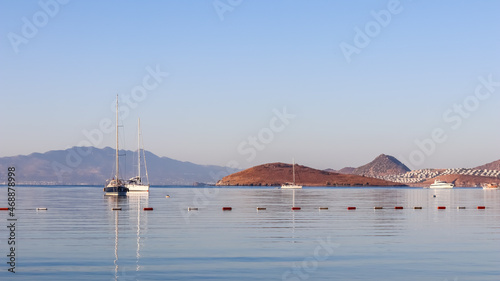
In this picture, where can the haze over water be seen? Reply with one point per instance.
(79, 237)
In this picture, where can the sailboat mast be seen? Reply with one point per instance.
(293, 170)
(139, 149)
(116, 153)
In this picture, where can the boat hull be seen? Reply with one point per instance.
(291, 186)
(115, 191)
(137, 188)
(441, 187)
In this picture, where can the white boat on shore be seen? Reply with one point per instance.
(441, 184)
(135, 184)
(291, 185)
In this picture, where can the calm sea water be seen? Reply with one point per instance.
(80, 237)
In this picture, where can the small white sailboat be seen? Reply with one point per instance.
(441, 184)
(135, 184)
(115, 186)
(292, 185)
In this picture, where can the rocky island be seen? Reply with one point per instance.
(275, 174)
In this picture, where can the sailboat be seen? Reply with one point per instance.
(135, 184)
(115, 186)
(292, 185)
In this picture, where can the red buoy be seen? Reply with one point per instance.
(295, 208)
(227, 208)
(481, 207)
(441, 208)
(148, 209)
(351, 208)
(398, 208)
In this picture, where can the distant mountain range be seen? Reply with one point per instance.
(93, 166)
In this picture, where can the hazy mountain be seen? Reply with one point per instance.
(88, 165)
(345, 170)
(383, 165)
(495, 165)
(275, 174)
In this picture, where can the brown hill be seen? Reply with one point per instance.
(495, 165)
(461, 180)
(383, 165)
(275, 174)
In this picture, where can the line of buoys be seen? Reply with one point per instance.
(4, 209)
(293, 208)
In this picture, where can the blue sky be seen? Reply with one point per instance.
(231, 70)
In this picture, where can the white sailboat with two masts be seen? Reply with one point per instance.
(115, 186)
(136, 184)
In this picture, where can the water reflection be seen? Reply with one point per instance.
(85, 238)
(123, 209)
(139, 200)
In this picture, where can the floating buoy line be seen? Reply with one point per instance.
(293, 208)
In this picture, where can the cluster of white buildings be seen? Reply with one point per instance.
(422, 175)
(473, 172)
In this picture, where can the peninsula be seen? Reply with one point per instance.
(275, 174)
